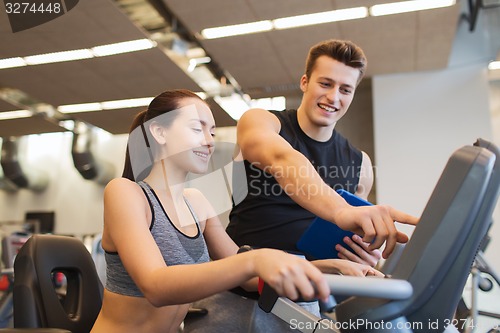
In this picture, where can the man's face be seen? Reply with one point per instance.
(329, 91)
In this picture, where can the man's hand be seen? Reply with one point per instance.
(375, 224)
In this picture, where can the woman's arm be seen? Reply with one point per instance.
(127, 231)
(219, 244)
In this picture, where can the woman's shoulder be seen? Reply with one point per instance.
(193, 195)
(199, 202)
(122, 185)
(121, 193)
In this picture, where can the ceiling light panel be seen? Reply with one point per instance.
(494, 65)
(319, 18)
(238, 29)
(408, 6)
(15, 114)
(12, 62)
(123, 47)
(58, 57)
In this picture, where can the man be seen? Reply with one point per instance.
(295, 160)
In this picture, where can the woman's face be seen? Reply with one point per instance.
(189, 140)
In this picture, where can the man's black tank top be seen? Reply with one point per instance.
(267, 216)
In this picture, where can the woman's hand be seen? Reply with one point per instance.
(345, 267)
(362, 255)
(289, 275)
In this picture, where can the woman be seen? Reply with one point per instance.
(159, 236)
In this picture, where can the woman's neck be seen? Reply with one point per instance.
(167, 180)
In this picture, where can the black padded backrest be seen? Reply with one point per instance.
(457, 207)
(36, 302)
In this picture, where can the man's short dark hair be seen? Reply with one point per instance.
(343, 51)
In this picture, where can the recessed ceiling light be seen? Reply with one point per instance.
(15, 114)
(123, 47)
(408, 6)
(71, 55)
(48, 58)
(319, 18)
(84, 107)
(12, 62)
(126, 103)
(238, 29)
(494, 65)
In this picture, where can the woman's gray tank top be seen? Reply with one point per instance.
(176, 247)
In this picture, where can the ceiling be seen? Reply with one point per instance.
(263, 64)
